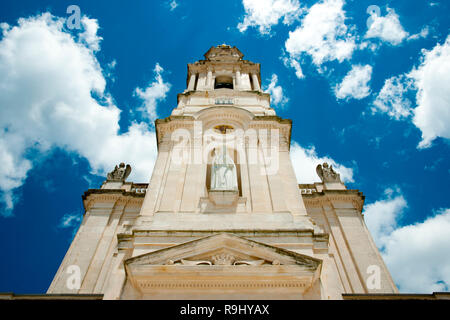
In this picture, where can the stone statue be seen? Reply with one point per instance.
(120, 173)
(327, 173)
(223, 172)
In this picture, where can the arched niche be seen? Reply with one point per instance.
(234, 154)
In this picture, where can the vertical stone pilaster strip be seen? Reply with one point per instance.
(155, 187)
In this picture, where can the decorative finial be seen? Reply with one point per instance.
(327, 173)
(120, 173)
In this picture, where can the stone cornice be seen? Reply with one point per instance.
(218, 284)
(217, 93)
(282, 122)
(119, 192)
(172, 123)
(111, 195)
(273, 118)
(327, 197)
(316, 237)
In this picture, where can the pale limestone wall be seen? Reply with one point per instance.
(245, 82)
(338, 213)
(95, 244)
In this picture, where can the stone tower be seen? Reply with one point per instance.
(223, 216)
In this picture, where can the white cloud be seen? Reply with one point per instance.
(322, 34)
(70, 220)
(173, 5)
(292, 63)
(422, 34)
(355, 84)
(89, 35)
(278, 98)
(368, 45)
(432, 80)
(387, 28)
(416, 254)
(46, 80)
(391, 98)
(155, 92)
(305, 161)
(266, 13)
(381, 216)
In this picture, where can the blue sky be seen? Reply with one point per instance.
(369, 93)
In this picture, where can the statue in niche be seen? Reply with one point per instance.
(120, 173)
(223, 172)
(327, 173)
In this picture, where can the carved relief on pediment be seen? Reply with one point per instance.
(226, 257)
(223, 259)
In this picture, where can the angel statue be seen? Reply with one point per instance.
(223, 173)
(327, 173)
(120, 173)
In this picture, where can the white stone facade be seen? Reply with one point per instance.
(175, 239)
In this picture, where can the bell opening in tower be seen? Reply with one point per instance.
(223, 82)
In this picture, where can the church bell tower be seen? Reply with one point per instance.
(223, 216)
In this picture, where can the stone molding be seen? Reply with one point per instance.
(208, 97)
(222, 284)
(327, 197)
(239, 118)
(92, 196)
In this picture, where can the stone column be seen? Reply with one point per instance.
(238, 79)
(209, 79)
(191, 85)
(255, 80)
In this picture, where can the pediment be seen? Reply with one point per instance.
(225, 250)
(220, 263)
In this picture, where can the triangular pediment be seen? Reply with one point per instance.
(224, 249)
(220, 263)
